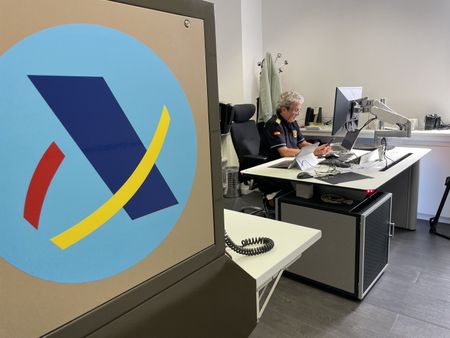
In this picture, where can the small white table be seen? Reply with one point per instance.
(290, 242)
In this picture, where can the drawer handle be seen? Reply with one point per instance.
(391, 229)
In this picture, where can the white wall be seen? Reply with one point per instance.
(252, 47)
(398, 49)
(433, 171)
(229, 50)
(239, 48)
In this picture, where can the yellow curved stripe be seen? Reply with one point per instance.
(123, 195)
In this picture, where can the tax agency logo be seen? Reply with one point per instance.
(98, 153)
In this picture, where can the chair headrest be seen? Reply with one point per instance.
(243, 112)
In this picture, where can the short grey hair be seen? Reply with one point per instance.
(288, 98)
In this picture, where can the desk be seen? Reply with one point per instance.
(402, 180)
(340, 260)
(290, 242)
(433, 171)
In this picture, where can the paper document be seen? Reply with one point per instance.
(306, 158)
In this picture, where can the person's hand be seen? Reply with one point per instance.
(322, 150)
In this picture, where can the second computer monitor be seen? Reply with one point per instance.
(343, 117)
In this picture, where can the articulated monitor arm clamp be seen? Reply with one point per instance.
(385, 114)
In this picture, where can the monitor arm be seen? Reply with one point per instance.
(385, 114)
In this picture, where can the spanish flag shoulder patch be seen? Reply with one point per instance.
(276, 133)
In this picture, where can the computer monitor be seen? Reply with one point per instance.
(344, 101)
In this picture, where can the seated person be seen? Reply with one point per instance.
(284, 139)
(282, 132)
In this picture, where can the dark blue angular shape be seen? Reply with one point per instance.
(94, 119)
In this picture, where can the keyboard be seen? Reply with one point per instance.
(345, 157)
(337, 147)
(335, 162)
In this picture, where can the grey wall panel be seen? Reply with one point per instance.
(219, 300)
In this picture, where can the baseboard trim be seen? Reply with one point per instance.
(442, 219)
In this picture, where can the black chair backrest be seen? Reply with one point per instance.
(244, 132)
(264, 147)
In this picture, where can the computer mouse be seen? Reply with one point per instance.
(303, 174)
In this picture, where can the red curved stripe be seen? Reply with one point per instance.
(42, 177)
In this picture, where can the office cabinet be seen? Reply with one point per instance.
(354, 249)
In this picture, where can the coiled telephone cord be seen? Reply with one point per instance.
(264, 245)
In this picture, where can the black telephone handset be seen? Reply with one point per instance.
(259, 245)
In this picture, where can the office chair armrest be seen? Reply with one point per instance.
(249, 161)
(252, 210)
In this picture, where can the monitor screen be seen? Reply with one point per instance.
(350, 139)
(342, 118)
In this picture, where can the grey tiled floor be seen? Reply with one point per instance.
(412, 298)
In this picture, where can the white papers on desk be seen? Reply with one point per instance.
(370, 156)
(306, 158)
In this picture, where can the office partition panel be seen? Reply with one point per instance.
(111, 189)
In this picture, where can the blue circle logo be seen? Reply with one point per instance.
(98, 148)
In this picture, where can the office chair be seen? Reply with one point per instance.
(246, 140)
(245, 136)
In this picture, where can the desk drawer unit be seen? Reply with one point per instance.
(354, 249)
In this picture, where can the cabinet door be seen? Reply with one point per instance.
(376, 227)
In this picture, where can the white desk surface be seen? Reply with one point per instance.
(290, 242)
(377, 177)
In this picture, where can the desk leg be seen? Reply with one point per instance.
(414, 196)
(261, 292)
(405, 193)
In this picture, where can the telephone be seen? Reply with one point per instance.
(313, 115)
(259, 245)
(432, 121)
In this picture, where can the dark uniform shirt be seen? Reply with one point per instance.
(280, 133)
